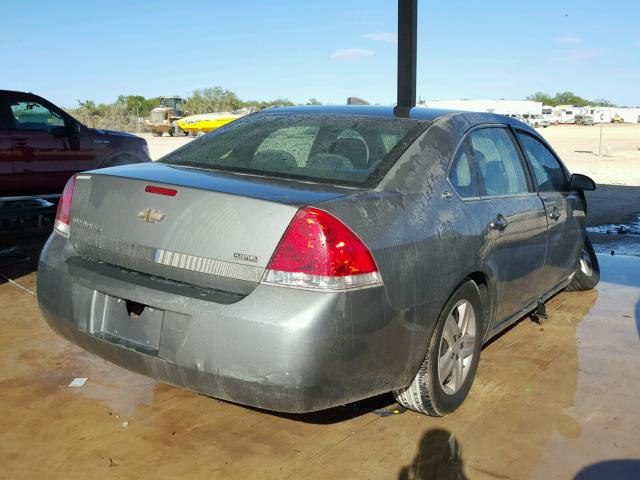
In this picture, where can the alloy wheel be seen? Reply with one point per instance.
(457, 346)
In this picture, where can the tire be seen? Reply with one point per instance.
(588, 274)
(170, 132)
(155, 133)
(427, 394)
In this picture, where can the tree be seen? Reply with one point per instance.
(209, 100)
(541, 97)
(89, 107)
(603, 103)
(136, 104)
(313, 101)
(567, 98)
(122, 113)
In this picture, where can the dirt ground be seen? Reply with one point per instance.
(579, 147)
(549, 402)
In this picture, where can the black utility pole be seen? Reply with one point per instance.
(407, 46)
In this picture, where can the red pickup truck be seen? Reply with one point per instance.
(41, 146)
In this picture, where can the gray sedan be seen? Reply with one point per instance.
(306, 257)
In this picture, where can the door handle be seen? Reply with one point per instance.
(20, 141)
(555, 214)
(500, 223)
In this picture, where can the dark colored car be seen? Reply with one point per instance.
(41, 146)
(302, 258)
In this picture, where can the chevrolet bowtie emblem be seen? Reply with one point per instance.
(151, 215)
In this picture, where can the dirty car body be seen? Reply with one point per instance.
(169, 269)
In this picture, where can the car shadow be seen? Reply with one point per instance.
(383, 405)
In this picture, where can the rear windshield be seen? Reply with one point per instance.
(337, 149)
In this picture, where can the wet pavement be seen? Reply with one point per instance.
(617, 238)
(553, 401)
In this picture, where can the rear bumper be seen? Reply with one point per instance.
(277, 348)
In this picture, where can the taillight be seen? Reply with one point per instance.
(318, 251)
(63, 214)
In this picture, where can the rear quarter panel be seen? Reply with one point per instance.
(424, 245)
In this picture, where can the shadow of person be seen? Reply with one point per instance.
(439, 456)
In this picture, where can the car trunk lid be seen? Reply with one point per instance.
(217, 231)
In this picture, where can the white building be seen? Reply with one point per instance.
(493, 106)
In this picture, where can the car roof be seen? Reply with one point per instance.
(15, 92)
(415, 113)
(9, 93)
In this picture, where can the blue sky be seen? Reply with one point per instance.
(325, 49)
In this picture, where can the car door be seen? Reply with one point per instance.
(40, 140)
(516, 229)
(564, 209)
(7, 181)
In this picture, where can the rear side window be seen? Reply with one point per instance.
(549, 173)
(29, 115)
(463, 175)
(330, 148)
(498, 162)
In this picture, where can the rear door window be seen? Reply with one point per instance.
(462, 174)
(498, 162)
(30, 115)
(548, 171)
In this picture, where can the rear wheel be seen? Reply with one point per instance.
(445, 377)
(588, 274)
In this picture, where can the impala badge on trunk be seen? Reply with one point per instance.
(151, 215)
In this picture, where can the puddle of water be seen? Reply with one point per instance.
(620, 238)
(631, 228)
(607, 388)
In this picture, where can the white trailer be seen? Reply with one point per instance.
(601, 114)
(561, 113)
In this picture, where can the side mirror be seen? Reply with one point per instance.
(581, 183)
(59, 132)
(74, 128)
